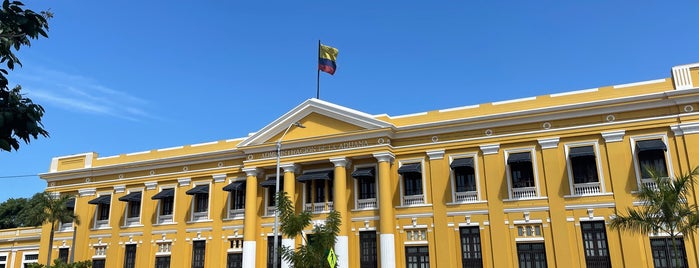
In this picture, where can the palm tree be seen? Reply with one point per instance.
(312, 253)
(665, 209)
(52, 209)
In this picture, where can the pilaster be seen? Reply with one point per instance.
(250, 221)
(340, 205)
(386, 213)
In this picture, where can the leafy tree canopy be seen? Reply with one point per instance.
(19, 212)
(20, 118)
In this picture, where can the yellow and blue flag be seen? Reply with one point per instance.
(326, 59)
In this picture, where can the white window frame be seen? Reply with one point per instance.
(133, 221)
(634, 154)
(24, 257)
(68, 226)
(7, 257)
(452, 176)
(103, 224)
(402, 182)
(327, 204)
(268, 191)
(598, 162)
(356, 186)
(199, 216)
(162, 219)
(229, 210)
(535, 171)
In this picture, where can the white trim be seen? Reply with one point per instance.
(476, 174)
(184, 181)
(648, 82)
(527, 209)
(87, 192)
(589, 206)
(459, 108)
(487, 149)
(206, 143)
(613, 136)
(406, 115)
(218, 177)
(685, 128)
(598, 163)
(634, 155)
(289, 243)
(249, 253)
(573, 92)
(150, 185)
(97, 212)
(598, 218)
(355, 184)
(422, 175)
(342, 251)
(169, 149)
(682, 77)
(435, 154)
(134, 221)
(512, 101)
(208, 201)
(549, 143)
(535, 171)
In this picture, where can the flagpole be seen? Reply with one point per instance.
(318, 75)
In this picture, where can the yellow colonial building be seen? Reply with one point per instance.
(529, 182)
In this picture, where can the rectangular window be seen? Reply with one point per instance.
(531, 254)
(412, 183)
(166, 205)
(3, 261)
(103, 212)
(98, 263)
(162, 262)
(319, 191)
(201, 203)
(583, 164)
(651, 156)
(465, 179)
(367, 187)
(198, 254)
(595, 244)
(471, 253)
(238, 199)
(63, 254)
(417, 257)
(130, 256)
(664, 254)
(367, 248)
(235, 260)
(30, 258)
(270, 252)
(134, 209)
(522, 175)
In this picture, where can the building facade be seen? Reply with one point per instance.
(20, 247)
(530, 182)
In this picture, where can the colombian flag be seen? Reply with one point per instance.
(326, 59)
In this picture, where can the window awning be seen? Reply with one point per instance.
(581, 152)
(315, 175)
(650, 145)
(272, 182)
(164, 194)
(519, 158)
(70, 204)
(410, 168)
(364, 172)
(131, 197)
(235, 186)
(201, 189)
(102, 200)
(461, 163)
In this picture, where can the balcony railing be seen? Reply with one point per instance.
(588, 188)
(165, 219)
(465, 197)
(650, 183)
(236, 213)
(523, 192)
(65, 227)
(271, 210)
(367, 203)
(199, 216)
(102, 224)
(322, 207)
(133, 221)
(410, 200)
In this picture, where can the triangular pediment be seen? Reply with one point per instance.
(320, 118)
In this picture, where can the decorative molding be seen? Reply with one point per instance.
(549, 143)
(339, 161)
(253, 171)
(590, 206)
(150, 185)
(435, 154)
(119, 188)
(184, 181)
(385, 157)
(522, 210)
(490, 148)
(613, 136)
(682, 77)
(219, 177)
(290, 167)
(87, 192)
(685, 128)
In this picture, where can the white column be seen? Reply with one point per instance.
(388, 251)
(249, 254)
(287, 242)
(342, 251)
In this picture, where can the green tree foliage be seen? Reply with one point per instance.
(53, 210)
(312, 253)
(20, 118)
(18, 212)
(665, 209)
(60, 264)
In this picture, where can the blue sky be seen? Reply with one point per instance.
(127, 76)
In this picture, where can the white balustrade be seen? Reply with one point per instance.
(165, 219)
(464, 197)
(271, 210)
(321, 207)
(368, 203)
(236, 213)
(649, 183)
(588, 188)
(523, 192)
(410, 200)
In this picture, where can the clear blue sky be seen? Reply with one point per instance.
(127, 76)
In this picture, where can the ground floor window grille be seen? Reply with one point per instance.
(417, 257)
(531, 255)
